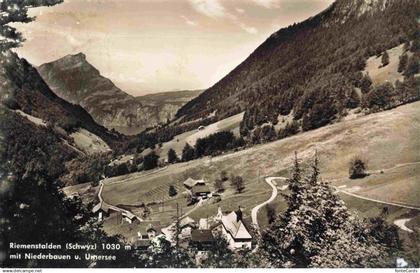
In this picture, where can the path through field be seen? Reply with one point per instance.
(401, 224)
(254, 212)
(338, 189)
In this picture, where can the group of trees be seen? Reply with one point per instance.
(317, 230)
(213, 144)
(236, 182)
(137, 164)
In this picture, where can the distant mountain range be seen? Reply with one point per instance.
(313, 70)
(74, 79)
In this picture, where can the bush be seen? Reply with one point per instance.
(172, 156)
(150, 161)
(357, 168)
(188, 153)
(379, 98)
(289, 130)
(270, 210)
(218, 185)
(403, 63)
(172, 191)
(237, 183)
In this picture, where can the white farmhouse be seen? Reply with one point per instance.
(235, 231)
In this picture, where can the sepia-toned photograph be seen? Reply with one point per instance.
(245, 134)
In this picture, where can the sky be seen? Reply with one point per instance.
(147, 46)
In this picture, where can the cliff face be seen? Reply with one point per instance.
(74, 79)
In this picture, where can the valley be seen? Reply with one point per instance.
(394, 171)
(306, 154)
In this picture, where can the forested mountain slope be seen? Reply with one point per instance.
(313, 70)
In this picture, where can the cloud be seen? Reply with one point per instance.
(267, 3)
(188, 21)
(250, 30)
(214, 9)
(210, 8)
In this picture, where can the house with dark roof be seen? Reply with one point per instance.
(235, 231)
(200, 191)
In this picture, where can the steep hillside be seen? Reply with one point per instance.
(74, 79)
(23, 89)
(314, 69)
(394, 172)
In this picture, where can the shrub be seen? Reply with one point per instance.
(172, 156)
(357, 168)
(188, 153)
(150, 161)
(172, 191)
(218, 185)
(237, 183)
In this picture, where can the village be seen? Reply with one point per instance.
(235, 227)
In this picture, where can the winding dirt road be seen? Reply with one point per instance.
(401, 224)
(254, 212)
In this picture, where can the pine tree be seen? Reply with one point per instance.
(13, 11)
(237, 183)
(172, 156)
(172, 191)
(315, 226)
(403, 63)
(188, 153)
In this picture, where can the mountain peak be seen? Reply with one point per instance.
(78, 57)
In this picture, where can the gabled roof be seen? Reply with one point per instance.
(145, 226)
(202, 235)
(236, 228)
(190, 182)
(187, 221)
(200, 189)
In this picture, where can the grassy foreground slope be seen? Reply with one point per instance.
(384, 139)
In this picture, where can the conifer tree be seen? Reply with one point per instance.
(315, 226)
(16, 11)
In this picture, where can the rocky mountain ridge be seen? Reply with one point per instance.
(74, 79)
